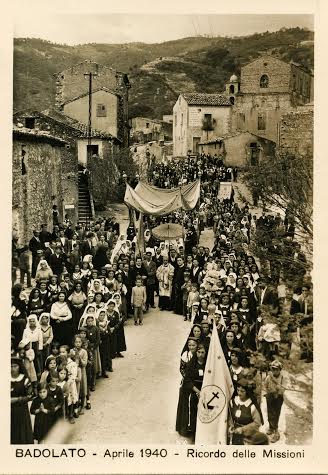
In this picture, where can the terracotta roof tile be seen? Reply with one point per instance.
(203, 99)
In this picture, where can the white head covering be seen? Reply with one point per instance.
(43, 262)
(44, 314)
(30, 317)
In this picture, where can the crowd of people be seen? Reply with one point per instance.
(70, 305)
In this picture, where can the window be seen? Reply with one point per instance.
(147, 125)
(92, 150)
(175, 120)
(232, 100)
(264, 81)
(261, 122)
(101, 110)
(232, 89)
(30, 122)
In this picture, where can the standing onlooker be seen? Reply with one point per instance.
(138, 301)
(35, 245)
(151, 279)
(274, 393)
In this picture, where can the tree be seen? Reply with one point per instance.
(286, 182)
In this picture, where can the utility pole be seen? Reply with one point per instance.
(90, 76)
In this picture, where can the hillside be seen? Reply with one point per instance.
(158, 72)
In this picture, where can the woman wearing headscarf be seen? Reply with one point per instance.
(191, 387)
(121, 343)
(120, 248)
(18, 312)
(90, 309)
(21, 394)
(113, 318)
(77, 301)
(35, 303)
(61, 318)
(43, 271)
(104, 346)
(244, 415)
(32, 335)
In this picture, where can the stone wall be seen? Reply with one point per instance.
(296, 132)
(69, 157)
(34, 193)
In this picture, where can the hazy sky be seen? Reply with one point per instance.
(124, 28)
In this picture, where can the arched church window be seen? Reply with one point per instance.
(264, 81)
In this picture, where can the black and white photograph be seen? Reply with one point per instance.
(162, 230)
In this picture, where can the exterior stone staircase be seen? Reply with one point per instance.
(85, 210)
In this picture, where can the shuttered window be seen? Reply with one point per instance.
(101, 110)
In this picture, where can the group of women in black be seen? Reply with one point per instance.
(65, 335)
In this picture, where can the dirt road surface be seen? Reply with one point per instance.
(137, 404)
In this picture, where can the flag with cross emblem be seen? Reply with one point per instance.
(215, 395)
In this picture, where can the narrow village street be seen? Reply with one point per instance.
(137, 404)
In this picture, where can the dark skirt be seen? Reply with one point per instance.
(20, 425)
(63, 332)
(42, 424)
(186, 412)
(105, 353)
(76, 315)
(121, 344)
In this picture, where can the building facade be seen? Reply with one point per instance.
(268, 89)
(145, 130)
(198, 117)
(36, 157)
(109, 92)
(239, 149)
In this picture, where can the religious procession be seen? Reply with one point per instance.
(77, 289)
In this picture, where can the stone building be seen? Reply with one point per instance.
(268, 88)
(78, 201)
(145, 130)
(109, 92)
(239, 149)
(296, 132)
(36, 156)
(199, 117)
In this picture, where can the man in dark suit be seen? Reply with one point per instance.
(35, 245)
(150, 267)
(45, 236)
(63, 240)
(56, 261)
(178, 281)
(266, 294)
(195, 271)
(140, 270)
(86, 246)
